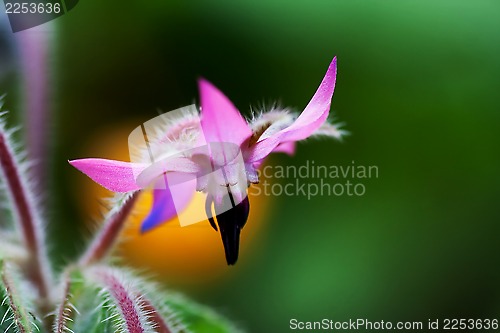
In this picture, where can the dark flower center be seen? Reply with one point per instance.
(230, 222)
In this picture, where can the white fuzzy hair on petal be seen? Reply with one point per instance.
(267, 123)
(331, 130)
(171, 133)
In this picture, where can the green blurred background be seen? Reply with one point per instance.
(418, 87)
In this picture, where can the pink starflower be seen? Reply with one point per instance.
(214, 151)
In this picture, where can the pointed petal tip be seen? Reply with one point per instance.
(74, 163)
(333, 65)
(206, 87)
(220, 119)
(202, 81)
(314, 115)
(79, 164)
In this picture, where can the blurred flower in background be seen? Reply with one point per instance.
(6, 55)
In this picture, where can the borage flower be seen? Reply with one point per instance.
(214, 151)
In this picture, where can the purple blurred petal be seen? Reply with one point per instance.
(170, 199)
(163, 210)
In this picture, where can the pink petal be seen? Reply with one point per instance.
(316, 112)
(116, 176)
(220, 120)
(286, 147)
(313, 116)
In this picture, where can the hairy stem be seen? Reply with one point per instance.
(64, 310)
(16, 312)
(107, 237)
(26, 216)
(160, 323)
(124, 299)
